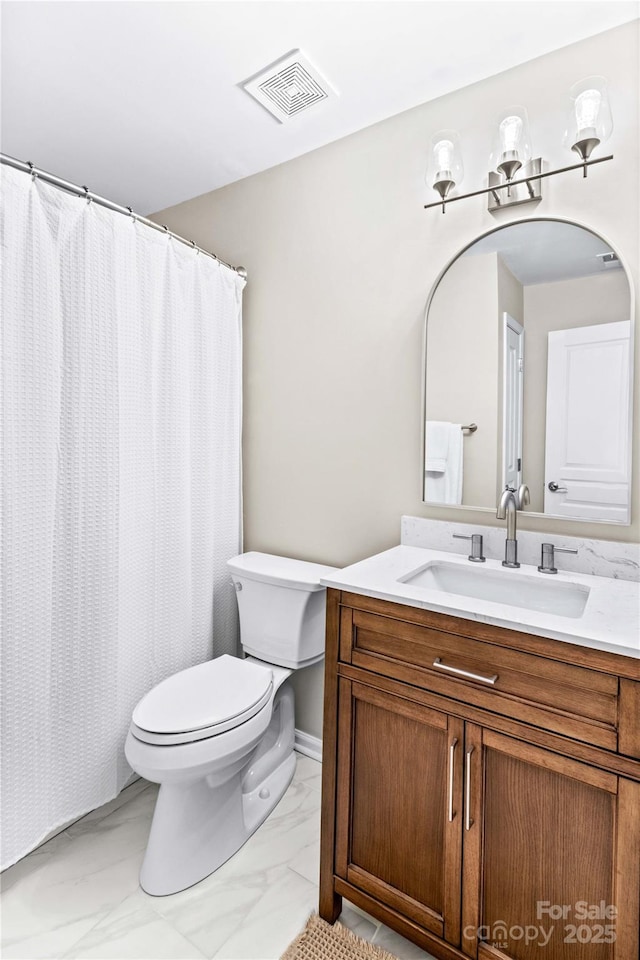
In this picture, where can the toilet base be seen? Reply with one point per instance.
(257, 805)
(199, 824)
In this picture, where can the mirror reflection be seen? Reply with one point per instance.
(529, 374)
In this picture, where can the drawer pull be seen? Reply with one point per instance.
(464, 673)
(452, 750)
(468, 822)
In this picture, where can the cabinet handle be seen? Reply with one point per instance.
(468, 822)
(464, 673)
(452, 750)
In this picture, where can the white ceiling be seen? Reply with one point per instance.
(142, 101)
(544, 251)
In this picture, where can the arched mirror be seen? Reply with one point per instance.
(529, 374)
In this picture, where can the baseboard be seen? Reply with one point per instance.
(308, 745)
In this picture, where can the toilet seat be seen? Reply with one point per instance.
(202, 701)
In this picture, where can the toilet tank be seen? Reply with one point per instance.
(281, 603)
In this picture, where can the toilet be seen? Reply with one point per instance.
(218, 737)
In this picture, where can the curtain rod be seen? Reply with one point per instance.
(28, 167)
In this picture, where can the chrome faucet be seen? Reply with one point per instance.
(510, 502)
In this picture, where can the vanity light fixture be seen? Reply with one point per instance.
(445, 169)
(511, 156)
(589, 122)
(515, 177)
(513, 147)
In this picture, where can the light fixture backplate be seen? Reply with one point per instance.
(289, 86)
(519, 193)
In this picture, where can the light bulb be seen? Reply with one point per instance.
(587, 109)
(443, 151)
(512, 144)
(444, 170)
(589, 120)
(510, 133)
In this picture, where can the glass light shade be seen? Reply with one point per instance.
(589, 122)
(512, 147)
(445, 169)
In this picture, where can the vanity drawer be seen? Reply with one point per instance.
(571, 700)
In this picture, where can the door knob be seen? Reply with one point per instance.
(553, 486)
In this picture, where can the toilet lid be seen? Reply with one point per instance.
(218, 694)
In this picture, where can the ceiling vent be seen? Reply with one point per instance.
(609, 259)
(289, 86)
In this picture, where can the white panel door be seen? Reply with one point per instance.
(512, 397)
(587, 432)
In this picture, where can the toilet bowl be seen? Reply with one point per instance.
(219, 737)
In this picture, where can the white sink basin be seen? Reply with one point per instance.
(601, 613)
(496, 586)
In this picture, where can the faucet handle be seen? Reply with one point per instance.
(476, 554)
(523, 497)
(547, 558)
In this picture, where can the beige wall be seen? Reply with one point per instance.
(341, 257)
(462, 366)
(558, 306)
(510, 296)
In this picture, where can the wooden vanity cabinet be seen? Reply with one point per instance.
(548, 830)
(398, 765)
(460, 826)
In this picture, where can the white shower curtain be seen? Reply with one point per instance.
(121, 504)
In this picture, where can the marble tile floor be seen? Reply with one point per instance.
(77, 896)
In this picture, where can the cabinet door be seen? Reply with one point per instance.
(551, 855)
(399, 811)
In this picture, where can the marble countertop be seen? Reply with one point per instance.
(610, 620)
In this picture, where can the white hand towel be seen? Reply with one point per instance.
(443, 485)
(436, 445)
